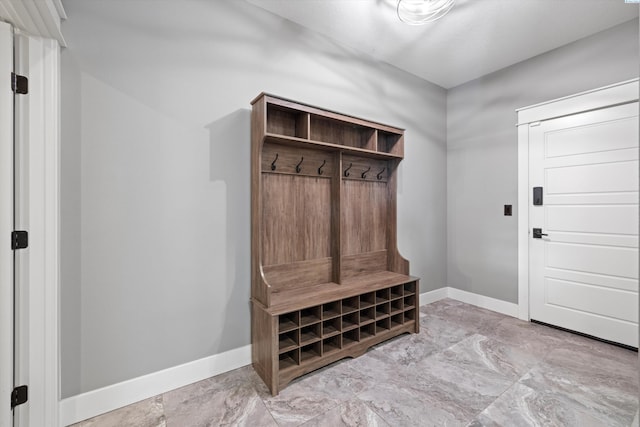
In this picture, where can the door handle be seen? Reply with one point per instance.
(537, 233)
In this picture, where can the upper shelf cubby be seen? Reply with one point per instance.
(293, 123)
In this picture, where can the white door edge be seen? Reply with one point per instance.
(6, 225)
(623, 92)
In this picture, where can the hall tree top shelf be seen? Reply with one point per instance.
(292, 123)
(327, 280)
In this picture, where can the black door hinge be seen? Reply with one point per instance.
(19, 240)
(19, 395)
(19, 84)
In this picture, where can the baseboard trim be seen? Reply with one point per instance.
(504, 307)
(88, 405)
(433, 296)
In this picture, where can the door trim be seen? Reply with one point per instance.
(6, 225)
(603, 97)
(38, 129)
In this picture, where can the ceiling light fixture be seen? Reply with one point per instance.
(418, 12)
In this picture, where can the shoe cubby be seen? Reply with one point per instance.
(409, 302)
(350, 320)
(397, 306)
(350, 305)
(409, 288)
(382, 295)
(351, 337)
(310, 352)
(331, 345)
(331, 310)
(310, 334)
(289, 340)
(383, 310)
(382, 326)
(367, 300)
(289, 321)
(396, 292)
(331, 327)
(397, 320)
(367, 315)
(289, 359)
(367, 331)
(310, 315)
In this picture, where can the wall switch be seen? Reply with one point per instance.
(507, 210)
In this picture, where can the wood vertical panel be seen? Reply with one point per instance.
(303, 126)
(397, 263)
(336, 219)
(264, 353)
(259, 287)
(364, 216)
(296, 218)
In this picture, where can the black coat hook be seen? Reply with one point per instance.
(320, 171)
(364, 174)
(298, 167)
(273, 164)
(346, 171)
(379, 175)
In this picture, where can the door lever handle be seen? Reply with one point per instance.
(537, 233)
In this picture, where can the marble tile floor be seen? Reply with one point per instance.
(467, 367)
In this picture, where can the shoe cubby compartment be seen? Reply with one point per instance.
(382, 326)
(367, 315)
(310, 352)
(351, 337)
(350, 321)
(288, 321)
(309, 316)
(331, 345)
(410, 288)
(397, 320)
(350, 305)
(367, 331)
(409, 302)
(289, 340)
(382, 296)
(289, 360)
(310, 334)
(331, 327)
(383, 310)
(331, 310)
(397, 306)
(367, 300)
(396, 292)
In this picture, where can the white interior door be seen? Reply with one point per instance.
(6, 224)
(584, 272)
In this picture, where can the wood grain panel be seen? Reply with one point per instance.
(363, 264)
(289, 157)
(364, 217)
(298, 274)
(296, 218)
(263, 351)
(339, 132)
(258, 118)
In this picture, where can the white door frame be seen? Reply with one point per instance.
(6, 224)
(38, 136)
(618, 93)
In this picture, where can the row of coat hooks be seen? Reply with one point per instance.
(346, 172)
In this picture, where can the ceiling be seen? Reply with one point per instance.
(477, 37)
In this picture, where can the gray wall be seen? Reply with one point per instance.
(155, 172)
(482, 151)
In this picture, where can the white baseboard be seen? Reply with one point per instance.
(508, 308)
(504, 307)
(88, 405)
(433, 296)
(96, 402)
